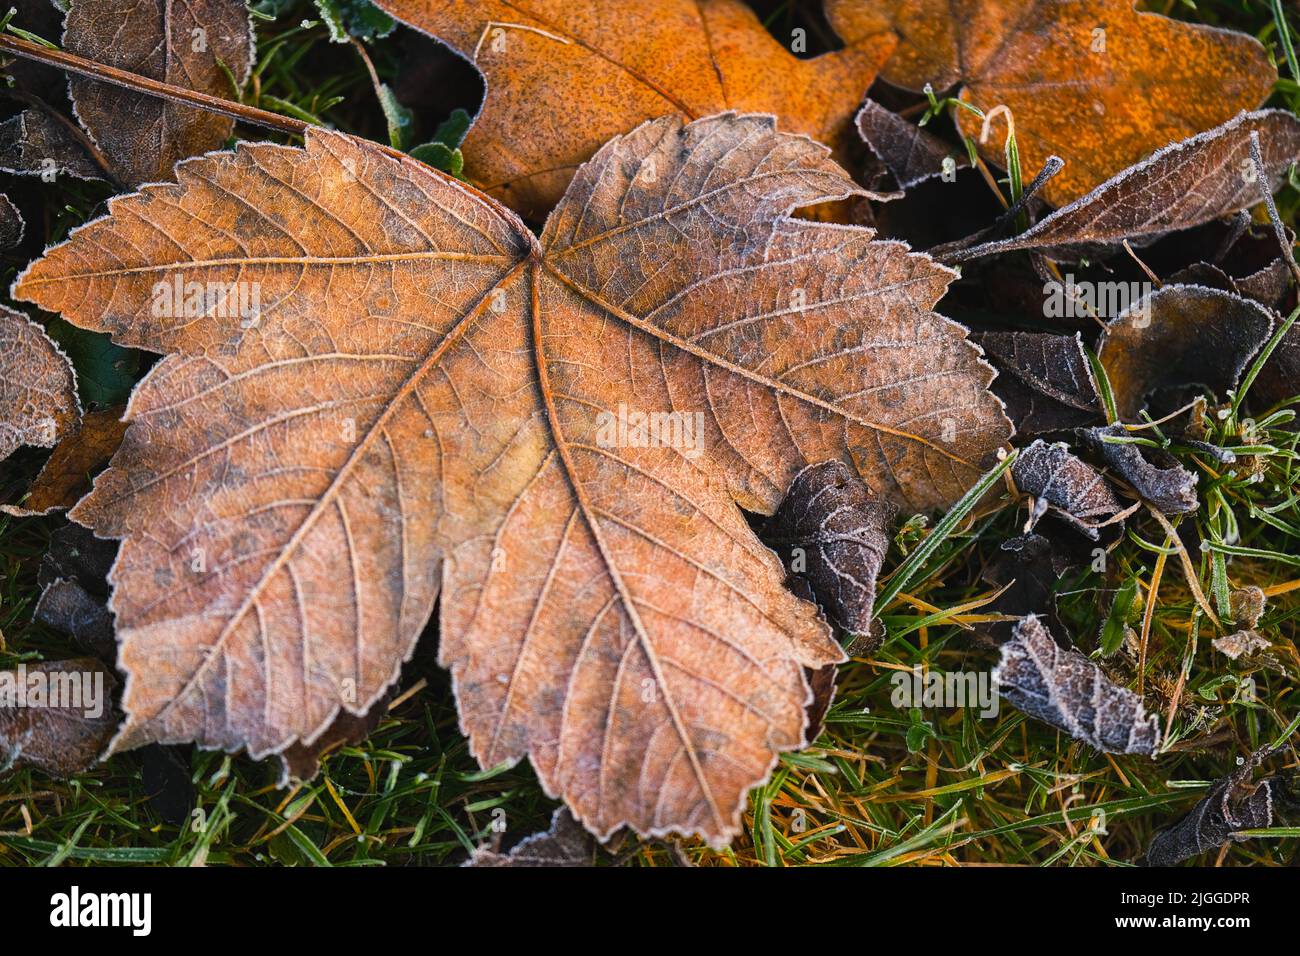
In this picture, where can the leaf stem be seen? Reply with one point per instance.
(144, 84)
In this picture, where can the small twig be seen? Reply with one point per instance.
(1189, 571)
(1155, 280)
(951, 251)
(1183, 671)
(144, 84)
(1147, 614)
(1261, 174)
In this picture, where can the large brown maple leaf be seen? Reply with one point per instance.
(423, 398)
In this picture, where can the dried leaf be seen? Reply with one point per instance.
(822, 682)
(1177, 338)
(66, 476)
(1094, 81)
(909, 152)
(191, 44)
(1233, 804)
(34, 143)
(1045, 380)
(1028, 567)
(1171, 489)
(77, 554)
(429, 396)
(56, 716)
(12, 225)
(1056, 477)
(1180, 186)
(565, 844)
(1279, 379)
(38, 392)
(833, 532)
(1243, 643)
(1065, 689)
(67, 607)
(574, 73)
(1268, 286)
(1248, 605)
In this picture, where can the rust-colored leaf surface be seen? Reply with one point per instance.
(38, 392)
(563, 76)
(66, 476)
(1101, 101)
(555, 433)
(182, 43)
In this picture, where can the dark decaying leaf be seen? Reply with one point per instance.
(910, 152)
(38, 391)
(833, 532)
(34, 143)
(565, 844)
(1065, 689)
(1234, 803)
(1062, 480)
(66, 475)
(302, 760)
(1171, 489)
(1028, 567)
(69, 729)
(77, 554)
(1045, 380)
(1183, 185)
(1267, 286)
(1177, 338)
(68, 607)
(1279, 379)
(12, 225)
(822, 682)
(190, 44)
